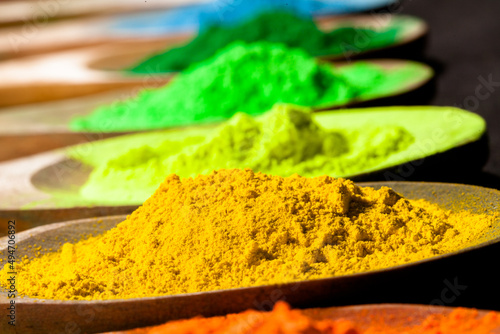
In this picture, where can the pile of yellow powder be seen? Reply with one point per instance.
(236, 228)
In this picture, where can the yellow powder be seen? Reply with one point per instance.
(237, 228)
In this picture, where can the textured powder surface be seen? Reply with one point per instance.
(237, 228)
(282, 142)
(243, 77)
(276, 27)
(281, 320)
(284, 320)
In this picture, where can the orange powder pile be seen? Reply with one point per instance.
(283, 320)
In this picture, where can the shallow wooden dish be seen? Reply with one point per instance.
(15, 12)
(94, 68)
(414, 29)
(40, 127)
(95, 81)
(45, 188)
(65, 75)
(419, 282)
(98, 30)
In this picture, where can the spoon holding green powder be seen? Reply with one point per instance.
(249, 78)
(276, 27)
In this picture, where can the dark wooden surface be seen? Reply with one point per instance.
(463, 46)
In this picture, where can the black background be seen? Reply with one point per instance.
(464, 44)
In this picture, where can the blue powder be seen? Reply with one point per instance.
(230, 12)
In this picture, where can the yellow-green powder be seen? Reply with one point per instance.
(282, 142)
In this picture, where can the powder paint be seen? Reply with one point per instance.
(275, 27)
(138, 160)
(282, 142)
(236, 228)
(435, 129)
(249, 78)
(187, 19)
(284, 320)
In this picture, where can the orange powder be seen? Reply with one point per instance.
(283, 320)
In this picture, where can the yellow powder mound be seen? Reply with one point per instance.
(237, 228)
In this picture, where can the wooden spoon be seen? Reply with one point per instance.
(19, 11)
(64, 75)
(45, 188)
(413, 32)
(425, 281)
(47, 124)
(55, 89)
(91, 31)
(85, 71)
(43, 127)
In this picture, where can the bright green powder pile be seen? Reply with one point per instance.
(244, 77)
(284, 141)
(276, 27)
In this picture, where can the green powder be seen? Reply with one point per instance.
(275, 27)
(282, 142)
(249, 78)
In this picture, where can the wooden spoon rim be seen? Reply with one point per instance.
(13, 121)
(431, 185)
(414, 28)
(83, 76)
(22, 176)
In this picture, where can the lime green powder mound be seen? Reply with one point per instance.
(283, 141)
(243, 77)
(275, 27)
